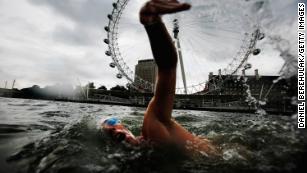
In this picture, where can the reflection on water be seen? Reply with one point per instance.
(44, 136)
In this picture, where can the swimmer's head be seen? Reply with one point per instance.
(117, 131)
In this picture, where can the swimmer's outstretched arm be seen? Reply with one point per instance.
(164, 53)
(158, 125)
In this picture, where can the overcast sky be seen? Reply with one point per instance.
(46, 42)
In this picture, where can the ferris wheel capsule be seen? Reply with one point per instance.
(256, 51)
(108, 53)
(114, 5)
(107, 41)
(107, 28)
(110, 16)
(112, 64)
(261, 36)
(247, 66)
(119, 76)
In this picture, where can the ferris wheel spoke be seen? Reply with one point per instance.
(220, 34)
(232, 31)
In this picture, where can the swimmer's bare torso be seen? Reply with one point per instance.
(158, 125)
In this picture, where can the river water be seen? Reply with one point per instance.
(47, 136)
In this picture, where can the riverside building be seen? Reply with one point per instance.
(146, 70)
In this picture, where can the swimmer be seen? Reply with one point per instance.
(158, 125)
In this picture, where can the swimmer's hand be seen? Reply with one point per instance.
(152, 10)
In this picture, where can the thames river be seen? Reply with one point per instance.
(47, 136)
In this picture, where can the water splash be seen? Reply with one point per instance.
(283, 46)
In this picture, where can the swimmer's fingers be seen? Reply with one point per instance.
(160, 8)
(152, 10)
(165, 1)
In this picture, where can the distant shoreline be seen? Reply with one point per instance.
(213, 109)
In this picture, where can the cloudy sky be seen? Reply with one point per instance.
(46, 42)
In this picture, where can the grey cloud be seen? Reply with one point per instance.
(75, 36)
(84, 12)
(50, 55)
(88, 16)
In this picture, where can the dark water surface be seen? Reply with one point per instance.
(46, 136)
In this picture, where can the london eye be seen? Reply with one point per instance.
(217, 35)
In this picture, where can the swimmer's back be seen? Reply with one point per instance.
(170, 132)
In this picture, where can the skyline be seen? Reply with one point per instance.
(49, 42)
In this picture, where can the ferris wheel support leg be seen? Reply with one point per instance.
(182, 66)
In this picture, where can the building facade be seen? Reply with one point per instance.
(260, 87)
(146, 70)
